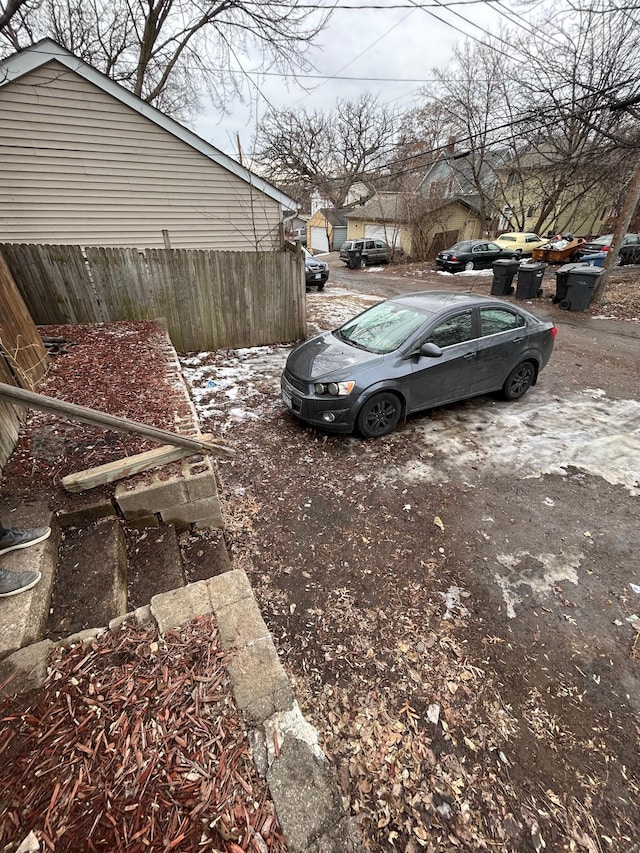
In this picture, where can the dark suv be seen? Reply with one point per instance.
(316, 272)
(360, 253)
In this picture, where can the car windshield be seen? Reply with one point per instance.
(383, 328)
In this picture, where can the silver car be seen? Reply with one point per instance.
(361, 253)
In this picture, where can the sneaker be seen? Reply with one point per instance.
(11, 583)
(14, 538)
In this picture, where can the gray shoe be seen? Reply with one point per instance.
(14, 538)
(11, 583)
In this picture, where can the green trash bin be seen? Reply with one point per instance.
(530, 280)
(504, 270)
(581, 283)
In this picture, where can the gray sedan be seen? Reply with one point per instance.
(411, 353)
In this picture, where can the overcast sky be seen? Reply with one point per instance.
(401, 44)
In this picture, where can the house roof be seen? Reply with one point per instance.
(460, 169)
(333, 216)
(384, 207)
(47, 50)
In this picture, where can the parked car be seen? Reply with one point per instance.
(316, 272)
(411, 353)
(471, 255)
(522, 242)
(629, 253)
(603, 244)
(361, 253)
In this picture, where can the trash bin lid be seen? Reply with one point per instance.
(567, 267)
(535, 267)
(586, 270)
(506, 262)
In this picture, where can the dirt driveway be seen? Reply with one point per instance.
(457, 604)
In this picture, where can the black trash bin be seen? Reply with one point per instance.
(354, 259)
(529, 280)
(504, 269)
(562, 281)
(581, 283)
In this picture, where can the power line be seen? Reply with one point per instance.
(510, 125)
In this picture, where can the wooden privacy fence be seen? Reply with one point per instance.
(208, 300)
(23, 358)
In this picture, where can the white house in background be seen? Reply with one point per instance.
(86, 162)
(358, 193)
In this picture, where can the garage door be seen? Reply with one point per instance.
(387, 233)
(319, 241)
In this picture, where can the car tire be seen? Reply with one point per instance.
(321, 287)
(469, 266)
(519, 381)
(379, 415)
(363, 263)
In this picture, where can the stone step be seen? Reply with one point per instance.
(94, 573)
(23, 617)
(91, 579)
(155, 564)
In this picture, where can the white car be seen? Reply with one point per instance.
(520, 242)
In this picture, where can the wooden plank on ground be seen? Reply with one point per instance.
(42, 403)
(127, 467)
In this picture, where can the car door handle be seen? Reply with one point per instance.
(469, 355)
(518, 340)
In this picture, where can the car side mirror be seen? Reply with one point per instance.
(431, 350)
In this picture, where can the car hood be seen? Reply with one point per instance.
(326, 357)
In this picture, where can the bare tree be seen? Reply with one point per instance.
(8, 10)
(581, 145)
(328, 152)
(167, 51)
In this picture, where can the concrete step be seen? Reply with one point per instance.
(23, 617)
(91, 579)
(95, 571)
(155, 564)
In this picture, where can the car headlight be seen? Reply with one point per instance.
(335, 389)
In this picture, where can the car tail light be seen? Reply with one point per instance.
(453, 257)
(554, 332)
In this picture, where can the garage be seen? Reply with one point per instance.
(319, 239)
(388, 233)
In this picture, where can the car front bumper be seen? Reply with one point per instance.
(317, 277)
(333, 414)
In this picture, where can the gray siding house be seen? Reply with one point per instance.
(86, 162)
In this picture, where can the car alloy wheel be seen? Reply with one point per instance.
(379, 415)
(469, 266)
(519, 381)
(363, 263)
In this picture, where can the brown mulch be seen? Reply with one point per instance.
(133, 744)
(117, 368)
